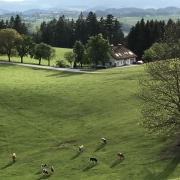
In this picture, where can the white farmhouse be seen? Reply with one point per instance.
(120, 56)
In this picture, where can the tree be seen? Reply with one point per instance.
(110, 27)
(158, 51)
(70, 57)
(9, 40)
(81, 29)
(50, 53)
(92, 24)
(43, 51)
(79, 51)
(160, 95)
(97, 49)
(19, 26)
(118, 36)
(2, 24)
(168, 46)
(25, 47)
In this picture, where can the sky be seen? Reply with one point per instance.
(20, 5)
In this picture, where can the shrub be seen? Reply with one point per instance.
(62, 64)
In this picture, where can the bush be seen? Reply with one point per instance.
(62, 64)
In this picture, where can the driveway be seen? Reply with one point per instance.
(58, 69)
(47, 67)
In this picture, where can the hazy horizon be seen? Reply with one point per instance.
(22, 5)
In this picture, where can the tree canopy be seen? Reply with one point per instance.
(70, 57)
(97, 49)
(79, 51)
(160, 94)
(9, 40)
(43, 51)
(25, 47)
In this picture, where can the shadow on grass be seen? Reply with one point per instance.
(76, 155)
(39, 172)
(89, 167)
(164, 175)
(44, 176)
(65, 74)
(5, 65)
(116, 163)
(9, 164)
(168, 170)
(99, 147)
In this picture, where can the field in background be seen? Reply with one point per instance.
(133, 20)
(46, 115)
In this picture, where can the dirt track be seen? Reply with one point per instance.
(47, 67)
(57, 69)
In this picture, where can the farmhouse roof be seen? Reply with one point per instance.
(120, 52)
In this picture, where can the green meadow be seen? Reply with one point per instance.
(27, 60)
(45, 115)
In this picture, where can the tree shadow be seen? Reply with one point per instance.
(5, 65)
(65, 74)
(89, 167)
(116, 163)
(99, 147)
(9, 164)
(45, 176)
(169, 169)
(76, 155)
(39, 172)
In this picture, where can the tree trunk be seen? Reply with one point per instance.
(9, 58)
(48, 62)
(39, 61)
(21, 59)
(75, 65)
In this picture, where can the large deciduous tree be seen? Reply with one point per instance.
(43, 51)
(9, 40)
(25, 48)
(160, 94)
(97, 49)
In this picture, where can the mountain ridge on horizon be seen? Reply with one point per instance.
(94, 9)
(84, 5)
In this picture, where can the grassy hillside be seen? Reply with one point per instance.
(59, 56)
(45, 115)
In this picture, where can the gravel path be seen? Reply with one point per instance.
(48, 67)
(58, 69)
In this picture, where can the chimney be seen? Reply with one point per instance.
(119, 45)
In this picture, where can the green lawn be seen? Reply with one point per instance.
(45, 115)
(59, 56)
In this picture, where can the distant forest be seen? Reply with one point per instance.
(64, 32)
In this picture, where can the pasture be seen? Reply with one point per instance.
(45, 115)
(59, 56)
